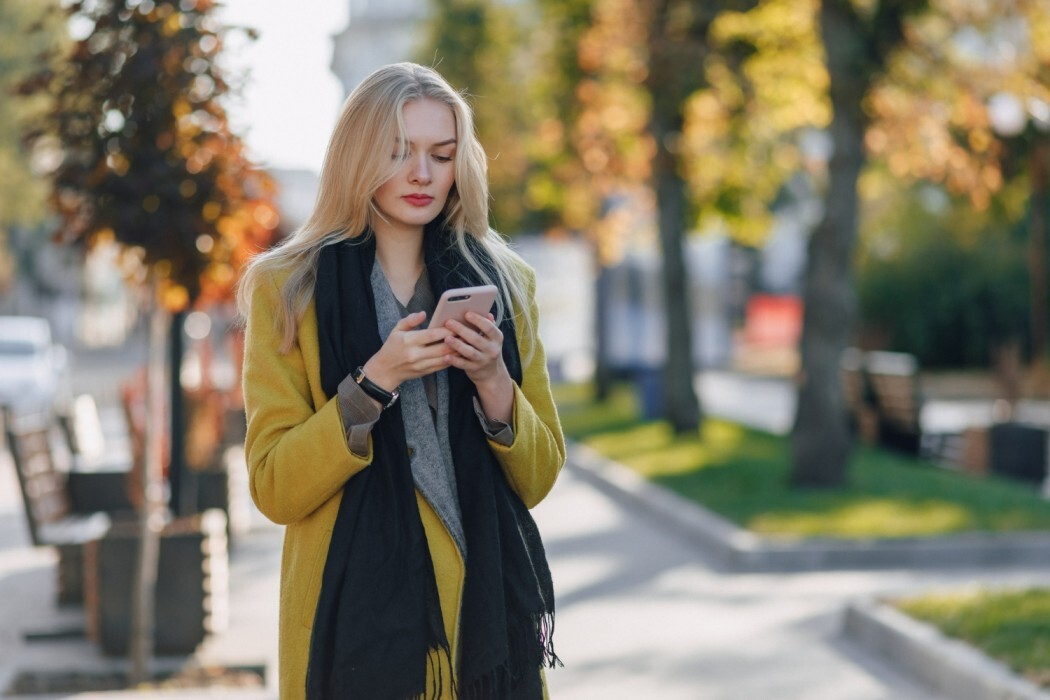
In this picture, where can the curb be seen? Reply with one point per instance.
(741, 550)
(946, 665)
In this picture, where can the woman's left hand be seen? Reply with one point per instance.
(477, 349)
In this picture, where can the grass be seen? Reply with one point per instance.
(1011, 626)
(742, 474)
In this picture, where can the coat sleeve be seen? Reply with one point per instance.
(534, 459)
(298, 457)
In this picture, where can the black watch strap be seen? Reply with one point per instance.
(384, 397)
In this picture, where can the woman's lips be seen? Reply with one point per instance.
(418, 200)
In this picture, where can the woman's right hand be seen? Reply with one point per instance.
(408, 353)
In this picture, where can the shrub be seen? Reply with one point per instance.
(945, 283)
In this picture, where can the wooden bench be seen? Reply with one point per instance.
(882, 393)
(82, 429)
(98, 480)
(52, 516)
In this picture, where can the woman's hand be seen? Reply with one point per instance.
(477, 349)
(408, 353)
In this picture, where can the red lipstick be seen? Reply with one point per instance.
(418, 200)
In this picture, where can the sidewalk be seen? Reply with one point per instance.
(645, 613)
(641, 614)
(27, 605)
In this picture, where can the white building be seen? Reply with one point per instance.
(378, 32)
(297, 190)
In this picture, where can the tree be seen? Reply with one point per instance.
(482, 48)
(677, 37)
(940, 280)
(765, 94)
(616, 137)
(27, 30)
(147, 159)
(654, 66)
(858, 41)
(756, 83)
(147, 156)
(556, 192)
(966, 103)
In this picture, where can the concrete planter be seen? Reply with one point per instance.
(192, 584)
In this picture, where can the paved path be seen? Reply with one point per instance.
(643, 614)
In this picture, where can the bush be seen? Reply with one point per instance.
(946, 284)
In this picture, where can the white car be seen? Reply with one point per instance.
(34, 370)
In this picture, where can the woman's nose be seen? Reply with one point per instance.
(420, 169)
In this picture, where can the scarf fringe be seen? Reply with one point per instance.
(545, 633)
(436, 672)
(528, 654)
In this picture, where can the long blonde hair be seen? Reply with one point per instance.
(356, 163)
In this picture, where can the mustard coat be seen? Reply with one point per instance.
(298, 462)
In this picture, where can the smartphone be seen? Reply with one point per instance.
(455, 303)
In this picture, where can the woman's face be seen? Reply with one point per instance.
(417, 192)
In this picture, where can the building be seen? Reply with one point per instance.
(378, 32)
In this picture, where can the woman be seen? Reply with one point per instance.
(403, 459)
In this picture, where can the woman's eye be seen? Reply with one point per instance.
(443, 159)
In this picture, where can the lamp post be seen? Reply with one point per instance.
(1012, 117)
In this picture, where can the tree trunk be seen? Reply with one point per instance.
(681, 406)
(821, 440)
(603, 379)
(182, 498)
(1037, 235)
(151, 517)
(677, 50)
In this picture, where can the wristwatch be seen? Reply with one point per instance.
(385, 398)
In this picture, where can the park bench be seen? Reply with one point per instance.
(53, 517)
(882, 393)
(98, 480)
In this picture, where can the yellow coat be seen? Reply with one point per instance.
(298, 462)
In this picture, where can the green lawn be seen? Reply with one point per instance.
(742, 474)
(1011, 626)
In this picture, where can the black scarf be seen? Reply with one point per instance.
(378, 614)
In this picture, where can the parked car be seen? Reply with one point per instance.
(34, 369)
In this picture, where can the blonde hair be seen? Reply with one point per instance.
(356, 163)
